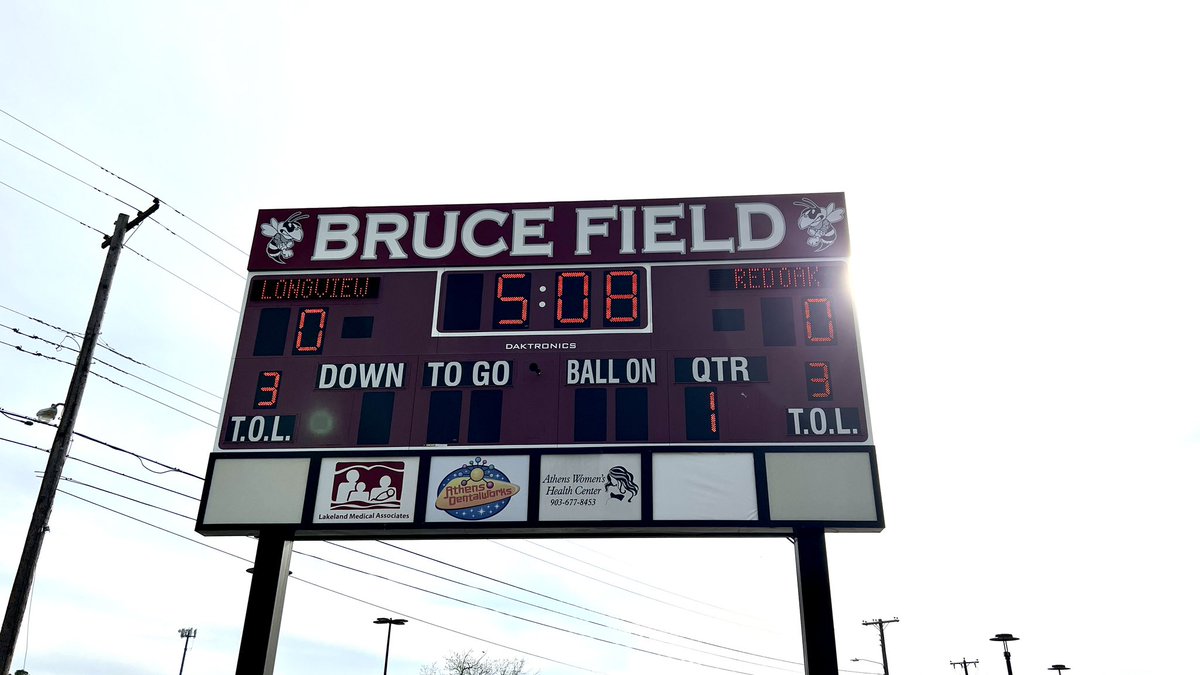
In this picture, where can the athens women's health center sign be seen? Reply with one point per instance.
(660, 366)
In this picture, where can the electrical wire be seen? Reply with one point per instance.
(141, 458)
(627, 578)
(69, 175)
(378, 558)
(325, 588)
(123, 180)
(127, 248)
(610, 584)
(111, 349)
(577, 606)
(18, 331)
(524, 619)
(67, 215)
(109, 379)
(578, 618)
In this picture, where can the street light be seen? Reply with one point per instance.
(388, 647)
(1059, 667)
(1006, 638)
(49, 413)
(187, 634)
(868, 660)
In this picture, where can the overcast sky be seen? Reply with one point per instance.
(1021, 183)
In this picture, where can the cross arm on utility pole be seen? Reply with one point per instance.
(964, 663)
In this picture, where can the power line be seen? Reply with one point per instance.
(110, 348)
(143, 190)
(352, 550)
(524, 619)
(69, 175)
(109, 379)
(612, 585)
(67, 215)
(141, 458)
(627, 578)
(578, 606)
(122, 201)
(101, 467)
(18, 332)
(131, 250)
(579, 618)
(127, 498)
(325, 588)
(194, 286)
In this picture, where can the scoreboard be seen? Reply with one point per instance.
(681, 366)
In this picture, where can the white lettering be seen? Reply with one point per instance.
(658, 222)
(468, 233)
(745, 219)
(525, 228)
(700, 242)
(327, 376)
(337, 236)
(627, 216)
(389, 237)
(421, 235)
(586, 226)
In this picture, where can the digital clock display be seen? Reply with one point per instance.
(680, 365)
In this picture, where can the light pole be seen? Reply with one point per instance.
(1006, 638)
(868, 661)
(388, 647)
(187, 634)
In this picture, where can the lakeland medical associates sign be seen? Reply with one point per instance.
(667, 366)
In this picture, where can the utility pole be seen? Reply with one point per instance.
(881, 624)
(39, 523)
(187, 634)
(964, 663)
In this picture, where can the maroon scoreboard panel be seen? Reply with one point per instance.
(582, 368)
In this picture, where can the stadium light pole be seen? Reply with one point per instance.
(388, 646)
(1006, 638)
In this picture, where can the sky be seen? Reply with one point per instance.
(1020, 183)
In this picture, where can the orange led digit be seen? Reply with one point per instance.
(565, 293)
(271, 390)
(712, 407)
(631, 297)
(818, 380)
(822, 316)
(309, 334)
(523, 300)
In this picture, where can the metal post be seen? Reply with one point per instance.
(387, 648)
(816, 602)
(1005, 638)
(39, 523)
(264, 607)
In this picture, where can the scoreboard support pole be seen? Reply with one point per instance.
(816, 602)
(264, 608)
